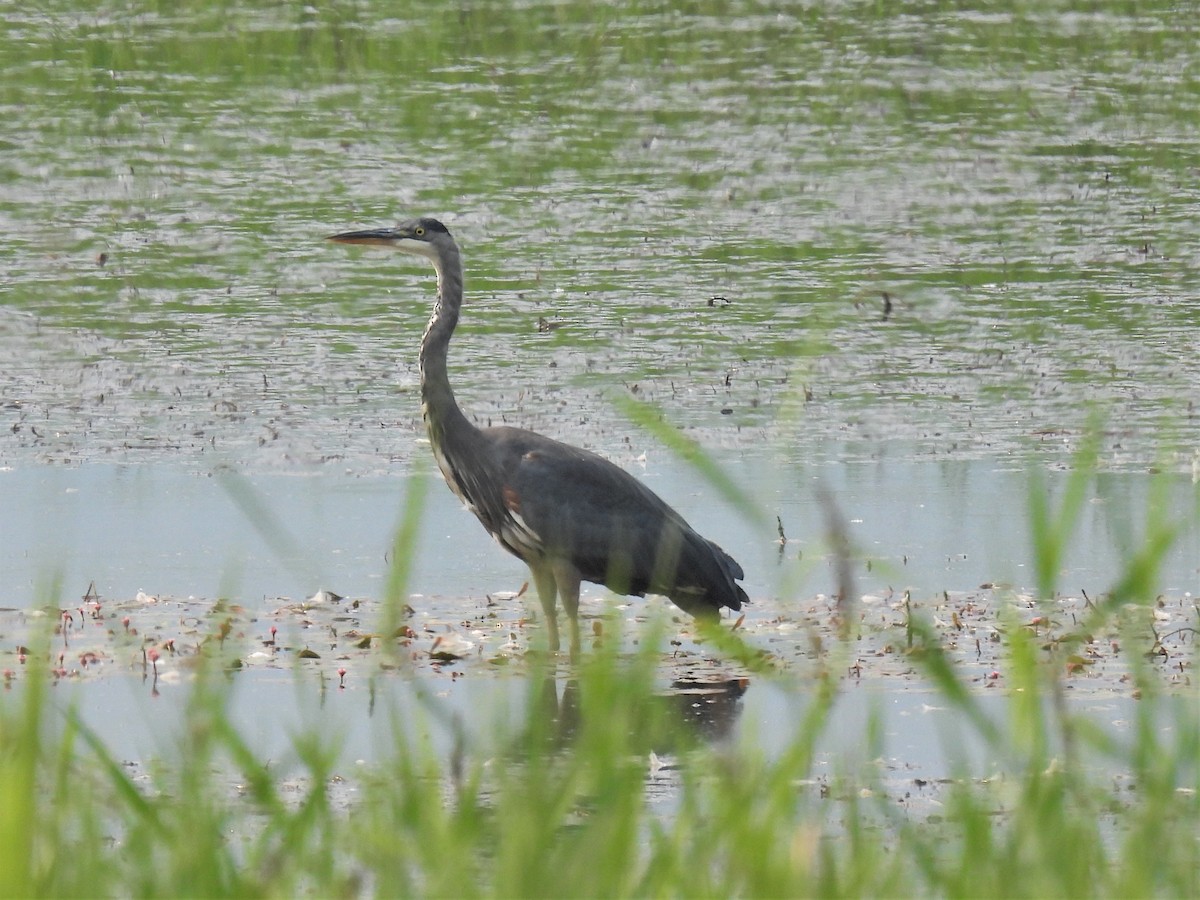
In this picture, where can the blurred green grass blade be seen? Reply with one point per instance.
(269, 526)
(733, 648)
(404, 550)
(118, 778)
(20, 749)
(1027, 733)
(1138, 582)
(929, 655)
(1052, 529)
(650, 419)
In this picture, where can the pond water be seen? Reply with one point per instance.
(917, 525)
(901, 259)
(157, 546)
(923, 741)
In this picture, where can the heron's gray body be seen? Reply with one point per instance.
(565, 508)
(571, 515)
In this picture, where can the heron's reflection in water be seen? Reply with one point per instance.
(670, 720)
(709, 709)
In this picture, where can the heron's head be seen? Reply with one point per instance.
(421, 237)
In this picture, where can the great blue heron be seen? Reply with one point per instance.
(571, 515)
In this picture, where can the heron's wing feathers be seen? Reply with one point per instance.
(609, 525)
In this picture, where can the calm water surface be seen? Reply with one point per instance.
(915, 525)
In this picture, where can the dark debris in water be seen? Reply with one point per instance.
(437, 637)
(352, 643)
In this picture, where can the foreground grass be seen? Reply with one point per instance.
(559, 806)
(557, 803)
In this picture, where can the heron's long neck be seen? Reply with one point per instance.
(443, 418)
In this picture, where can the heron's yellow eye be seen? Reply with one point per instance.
(419, 231)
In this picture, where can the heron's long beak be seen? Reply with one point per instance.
(385, 237)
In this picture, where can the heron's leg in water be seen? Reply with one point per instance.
(547, 588)
(567, 577)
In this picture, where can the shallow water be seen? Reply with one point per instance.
(156, 547)
(917, 746)
(915, 525)
(707, 204)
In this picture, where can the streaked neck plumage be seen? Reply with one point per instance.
(448, 427)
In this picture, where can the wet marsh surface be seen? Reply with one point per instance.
(902, 261)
